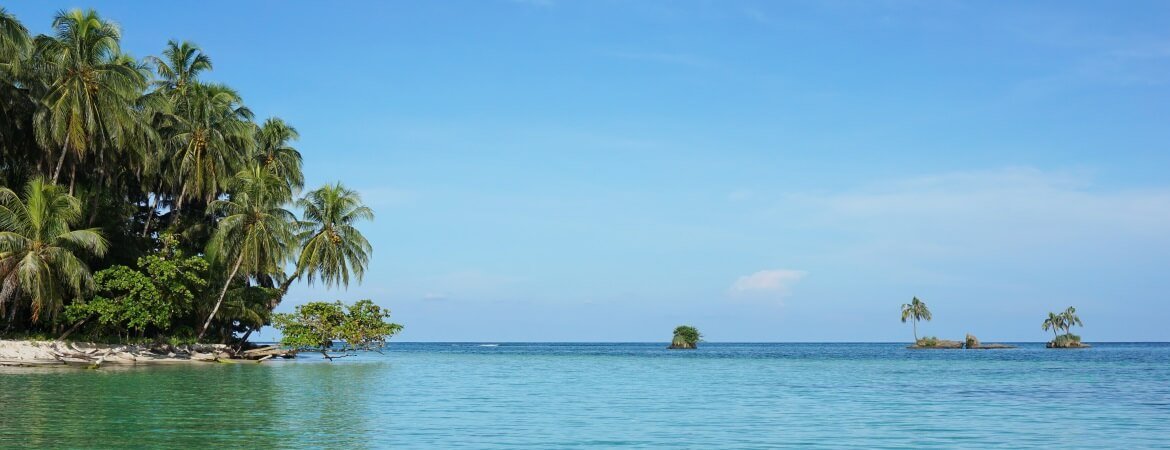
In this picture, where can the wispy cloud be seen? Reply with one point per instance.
(1011, 216)
(771, 283)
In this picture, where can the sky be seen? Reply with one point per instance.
(549, 170)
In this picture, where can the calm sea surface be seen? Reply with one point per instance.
(610, 395)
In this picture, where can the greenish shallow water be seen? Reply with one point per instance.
(610, 395)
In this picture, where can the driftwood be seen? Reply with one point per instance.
(102, 359)
(28, 353)
(265, 352)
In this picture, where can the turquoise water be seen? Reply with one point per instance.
(611, 395)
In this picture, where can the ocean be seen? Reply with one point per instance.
(610, 395)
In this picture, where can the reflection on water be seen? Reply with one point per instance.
(186, 406)
(608, 395)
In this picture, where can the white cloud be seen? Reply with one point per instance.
(986, 227)
(774, 283)
(1012, 204)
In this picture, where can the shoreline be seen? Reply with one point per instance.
(28, 353)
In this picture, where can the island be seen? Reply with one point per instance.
(970, 343)
(152, 216)
(1063, 321)
(686, 337)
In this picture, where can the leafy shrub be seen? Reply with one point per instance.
(162, 289)
(316, 325)
(1067, 340)
(686, 334)
(928, 341)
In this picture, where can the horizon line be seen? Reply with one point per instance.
(741, 342)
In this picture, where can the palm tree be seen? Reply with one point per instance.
(1054, 322)
(248, 308)
(178, 69)
(14, 43)
(17, 150)
(1070, 318)
(333, 248)
(914, 311)
(210, 140)
(39, 249)
(256, 231)
(183, 63)
(275, 153)
(91, 89)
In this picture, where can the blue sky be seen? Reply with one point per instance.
(551, 170)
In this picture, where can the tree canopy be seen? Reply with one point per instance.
(685, 336)
(322, 326)
(142, 199)
(915, 311)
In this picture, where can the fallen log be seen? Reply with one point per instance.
(272, 350)
(101, 360)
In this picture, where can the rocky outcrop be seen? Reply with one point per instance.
(932, 343)
(970, 343)
(681, 344)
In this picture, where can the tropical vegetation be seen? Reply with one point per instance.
(140, 200)
(915, 311)
(318, 326)
(1063, 321)
(686, 337)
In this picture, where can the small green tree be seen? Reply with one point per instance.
(914, 311)
(1063, 321)
(686, 336)
(1054, 322)
(162, 290)
(316, 325)
(1070, 319)
(366, 328)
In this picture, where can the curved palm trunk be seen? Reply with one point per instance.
(178, 206)
(61, 161)
(149, 215)
(72, 177)
(284, 289)
(222, 293)
(244, 340)
(150, 212)
(914, 324)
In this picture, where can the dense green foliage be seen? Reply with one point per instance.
(927, 341)
(142, 200)
(318, 325)
(1063, 321)
(39, 251)
(686, 336)
(159, 294)
(914, 311)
